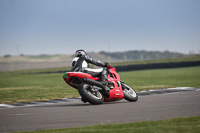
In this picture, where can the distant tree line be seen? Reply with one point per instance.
(7, 55)
(143, 55)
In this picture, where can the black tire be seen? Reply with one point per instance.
(129, 93)
(91, 95)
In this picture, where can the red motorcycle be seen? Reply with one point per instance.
(90, 88)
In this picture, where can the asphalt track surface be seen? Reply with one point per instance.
(76, 113)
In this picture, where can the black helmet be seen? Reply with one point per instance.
(80, 52)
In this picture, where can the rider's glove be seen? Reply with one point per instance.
(106, 64)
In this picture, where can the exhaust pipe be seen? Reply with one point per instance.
(92, 82)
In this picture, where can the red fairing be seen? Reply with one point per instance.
(80, 75)
(116, 93)
(77, 74)
(112, 69)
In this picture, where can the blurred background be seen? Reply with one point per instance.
(46, 33)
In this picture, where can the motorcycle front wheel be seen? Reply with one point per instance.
(129, 93)
(90, 94)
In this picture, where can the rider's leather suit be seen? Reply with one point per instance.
(81, 64)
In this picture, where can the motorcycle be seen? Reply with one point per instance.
(90, 88)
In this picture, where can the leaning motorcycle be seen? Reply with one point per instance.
(90, 88)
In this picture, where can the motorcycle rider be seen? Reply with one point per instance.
(81, 64)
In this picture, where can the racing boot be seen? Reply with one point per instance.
(106, 91)
(105, 83)
(83, 100)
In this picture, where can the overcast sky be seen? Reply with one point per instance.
(63, 26)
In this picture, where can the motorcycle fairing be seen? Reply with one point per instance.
(68, 76)
(116, 93)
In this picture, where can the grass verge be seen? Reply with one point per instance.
(177, 125)
(162, 78)
(16, 87)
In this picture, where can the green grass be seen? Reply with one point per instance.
(17, 87)
(162, 78)
(178, 125)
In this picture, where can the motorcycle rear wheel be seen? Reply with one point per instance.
(90, 94)
(129, 93)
